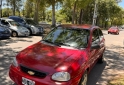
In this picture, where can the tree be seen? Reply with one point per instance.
(53, 4)
(15, 5)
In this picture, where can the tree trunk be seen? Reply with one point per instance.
(14, 7)
(53, 15)
(73, 13)
(81, 16)
(36, 11)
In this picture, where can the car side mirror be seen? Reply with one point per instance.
(95, 46)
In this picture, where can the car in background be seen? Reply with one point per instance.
(34, 25)
(16, 28)
(4, 32)
(58, 23)
(43, 22)
(21, 21)
(113, 30)
(63, 57)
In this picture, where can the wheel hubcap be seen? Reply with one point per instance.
(14, 34)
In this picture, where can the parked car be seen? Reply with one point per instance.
(63, 57)
(58, 23)
(4, 32)
(113, 30)
(21, 21)
(34, 25)
(16, 29)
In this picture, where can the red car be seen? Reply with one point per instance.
(113, 30)
(64, 57)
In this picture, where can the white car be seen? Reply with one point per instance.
(31, 28)
(16, 29)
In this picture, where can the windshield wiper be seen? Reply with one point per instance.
(51, 42)
(59, 43)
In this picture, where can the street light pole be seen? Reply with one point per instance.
(95, 13)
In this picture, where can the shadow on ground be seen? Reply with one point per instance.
(6, 57)
(112, 66)
(4, 42)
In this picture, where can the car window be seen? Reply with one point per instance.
(17, 19)
(77, 38)
(29, 21)
(13, 23)
(100, 35)
(3, 22)
(95, 37)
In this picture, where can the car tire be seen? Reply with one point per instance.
(84, 78)
(101, 59)
(14, 34)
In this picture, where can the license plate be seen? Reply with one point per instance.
(26, 81)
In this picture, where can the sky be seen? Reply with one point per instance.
(121, 4)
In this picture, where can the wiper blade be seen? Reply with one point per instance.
(59, 43)
(51, 42)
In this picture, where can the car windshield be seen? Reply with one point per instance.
(113, 27)
(13, 23)
(29, 21)
(72, 37)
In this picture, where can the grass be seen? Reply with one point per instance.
(119, 80)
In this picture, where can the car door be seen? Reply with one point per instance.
(102, 42)
(95, 40)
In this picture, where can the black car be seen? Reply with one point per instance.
(4, 32)
(31, 22)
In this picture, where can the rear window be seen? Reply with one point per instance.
(17, 19)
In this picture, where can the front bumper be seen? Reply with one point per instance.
(16, 75)
(5, 35)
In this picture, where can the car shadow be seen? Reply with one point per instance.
(96, 73)
(4, 42)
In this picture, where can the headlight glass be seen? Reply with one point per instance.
(15, 62)
(61, 76)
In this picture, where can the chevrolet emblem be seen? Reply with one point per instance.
(31, 73)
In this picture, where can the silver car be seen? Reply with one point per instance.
(16, 29)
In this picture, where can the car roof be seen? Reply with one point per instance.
(15, 16)
(82, 26)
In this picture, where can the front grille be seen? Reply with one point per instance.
(36, 73)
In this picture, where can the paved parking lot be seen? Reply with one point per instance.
(100, 74)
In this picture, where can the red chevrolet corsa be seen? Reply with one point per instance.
(114, 30)
(64, 57)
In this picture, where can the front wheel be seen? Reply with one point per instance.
(14, 34)
(83, 80)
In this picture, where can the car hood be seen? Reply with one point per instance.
(112, 29)
(49, 58)
(3, 28)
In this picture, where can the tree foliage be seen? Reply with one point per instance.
(69, 11)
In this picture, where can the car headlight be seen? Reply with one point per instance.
(15, 63)
(61, 76)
